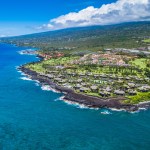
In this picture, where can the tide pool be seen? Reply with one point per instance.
(34, 118)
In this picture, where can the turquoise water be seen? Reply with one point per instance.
(33, 119)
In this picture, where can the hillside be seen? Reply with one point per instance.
(127, 35)
(76, 61)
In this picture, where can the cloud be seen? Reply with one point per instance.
(2, 35)
(117, 12)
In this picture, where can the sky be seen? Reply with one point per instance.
(18, 17)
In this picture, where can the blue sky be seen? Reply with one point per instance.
(28, 16)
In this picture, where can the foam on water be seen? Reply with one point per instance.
(142, 108)
(25, 78)
(22, 74)
(37, 84)
(45, 87)
(139, 110)
(119, 110)
(19, 71)
(60, 98)
(77, 105)
(48, 88)
(23, 52)
(106, 112)
(81, 106)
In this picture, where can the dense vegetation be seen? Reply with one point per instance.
(105, 80)
(147, 40)
(140, 97)
(87, 61)
(128, 35)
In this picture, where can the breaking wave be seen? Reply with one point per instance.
(26, 78)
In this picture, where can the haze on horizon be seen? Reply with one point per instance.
(25, 17)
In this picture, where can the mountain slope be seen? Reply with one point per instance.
(89, 38)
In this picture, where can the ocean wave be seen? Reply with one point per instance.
(26, 52)
(37, 84)
(21, 53)
(17, 68)
(25, 78)
(60, 98)
(139, 110)
(115, 109)
(134, 112)
(142, 108)
(77, 105)
(19, 71)
(48, 88)
(131, 112)
(22, 74)
(106, 112)
(81, 106)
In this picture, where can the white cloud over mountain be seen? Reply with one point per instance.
(118, 12)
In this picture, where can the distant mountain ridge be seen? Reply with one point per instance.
(87, 37)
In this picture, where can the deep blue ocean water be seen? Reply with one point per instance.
(33, 119)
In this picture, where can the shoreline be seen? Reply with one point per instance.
(89, 101)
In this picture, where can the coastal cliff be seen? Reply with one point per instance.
(90, 101)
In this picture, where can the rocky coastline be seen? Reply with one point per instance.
(90, 101)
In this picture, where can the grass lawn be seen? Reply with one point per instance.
(140, 97)
(93, 94)
(140, 62)
(147, 41)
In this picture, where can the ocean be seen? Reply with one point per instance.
(33, 117)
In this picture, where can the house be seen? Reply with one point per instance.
(96, 76)
(119, 92)
(83, 84)
(126, 87)
(94, 88)
(128, 78)
(120, 81)
(104, 94)
(50, 76)
(83, 89)
(132, 92)
(131, 85)
(78, 86)
(57, 79)
(62, 81)
(79, 80)
(144, 88)
(108, 89)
